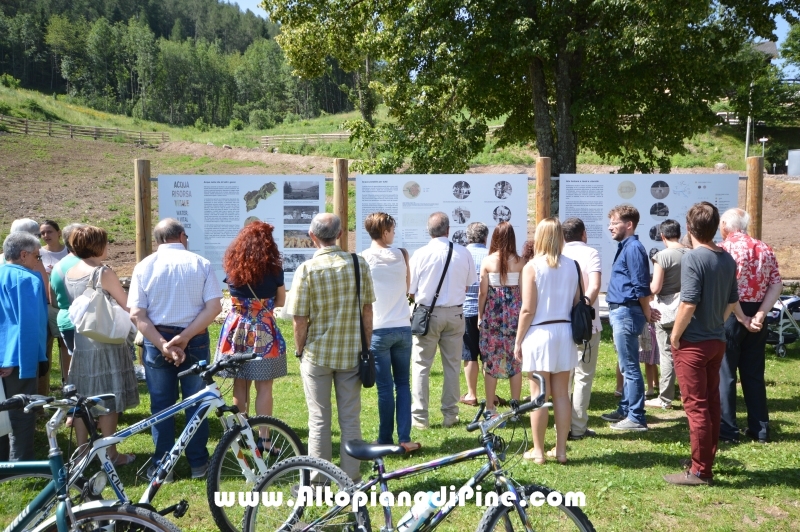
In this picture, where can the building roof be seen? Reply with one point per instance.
(769, 48)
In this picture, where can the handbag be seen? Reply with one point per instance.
(98, 316)
(421, 316)
(581, 317)
(668, 306)
(366, 359)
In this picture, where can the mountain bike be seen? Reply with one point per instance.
(238, 460)
(95, 515)
(311, 494)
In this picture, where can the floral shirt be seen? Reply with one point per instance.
(756, 266)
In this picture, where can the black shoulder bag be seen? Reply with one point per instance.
(366, 360)
(581, 317)
(421, 317)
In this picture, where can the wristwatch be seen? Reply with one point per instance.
(298, 354)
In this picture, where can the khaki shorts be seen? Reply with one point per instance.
(52, 321)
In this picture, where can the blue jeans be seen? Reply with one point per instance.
(162, 382)
(392, 349)
(627, 324)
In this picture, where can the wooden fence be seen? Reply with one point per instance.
(321, 138)
(24, 126)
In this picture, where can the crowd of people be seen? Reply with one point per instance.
(700, 317)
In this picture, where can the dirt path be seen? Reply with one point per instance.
(91, 181)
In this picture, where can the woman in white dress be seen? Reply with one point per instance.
(544, 335)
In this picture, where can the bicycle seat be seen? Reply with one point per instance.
(369, 451)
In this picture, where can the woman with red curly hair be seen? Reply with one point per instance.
(252, 263)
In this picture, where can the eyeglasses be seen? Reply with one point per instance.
(39, 258)
(616, 223)
(37, 235)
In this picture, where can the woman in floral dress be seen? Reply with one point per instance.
(252, 264)
(499, 303)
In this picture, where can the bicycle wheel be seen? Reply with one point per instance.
(19, 490)
(119, 518)
(544, 517)
(235, 468)
(286, 482)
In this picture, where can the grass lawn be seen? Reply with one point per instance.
(756, 487)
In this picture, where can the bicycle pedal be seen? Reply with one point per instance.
(181, 508)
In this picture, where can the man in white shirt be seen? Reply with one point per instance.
(174, 297)
(447, 319)
(588, 259)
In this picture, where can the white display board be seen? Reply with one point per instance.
(466, 198)
(658, 197)
(213, 208)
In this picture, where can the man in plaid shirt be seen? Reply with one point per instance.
(325, 314)
(760, 287)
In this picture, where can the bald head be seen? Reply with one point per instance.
(438, 224)
(168, 230)
(326, 228)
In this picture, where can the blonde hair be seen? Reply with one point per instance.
(549, 240)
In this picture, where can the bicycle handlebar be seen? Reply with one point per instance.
(220, 364)
(25, 401)
(516, 408)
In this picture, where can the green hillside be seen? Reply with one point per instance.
(724, 144)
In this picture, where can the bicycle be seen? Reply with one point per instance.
(85, 517)
(236, 471)
(301, 481)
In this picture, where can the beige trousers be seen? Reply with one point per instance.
(317, 382)
(581, 383)
(447, 331)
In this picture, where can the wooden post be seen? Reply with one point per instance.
(340, 169)
(144, 224)
(542, 188)
(755, 192)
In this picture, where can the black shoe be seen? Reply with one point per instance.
(754, 437)
(614, 416)
(588, 434)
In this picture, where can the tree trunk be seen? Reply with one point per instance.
(541, 111)
(567, 78)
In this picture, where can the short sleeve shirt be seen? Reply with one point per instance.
(708, 280)
(670, 261)
(324, 290)
(756, 266)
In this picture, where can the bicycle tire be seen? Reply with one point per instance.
(225, 471)
(545, 517)
(17, 491)
(119, 518)
(284, 480)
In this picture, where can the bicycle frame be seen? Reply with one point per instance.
(432, 522)
(206, 399)
(55, 488)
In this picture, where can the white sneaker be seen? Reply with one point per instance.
(449, 422)
(657, 403)
(419, 425)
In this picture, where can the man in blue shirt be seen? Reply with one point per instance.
(477, 233)
(23, 335)
(628, 299)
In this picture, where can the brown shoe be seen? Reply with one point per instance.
(687, 479)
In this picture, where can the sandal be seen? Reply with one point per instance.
(468, 402)
(562, 458)
(499, 401)
(410, 446)
(531, 455)
(272, 451)
(123, 459)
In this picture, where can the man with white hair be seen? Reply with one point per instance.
(449, 265)
(23, 336)
(760, 285)
(326, 320)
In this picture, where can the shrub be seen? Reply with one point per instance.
(201, 125)
(291, 118)
(262, 119)
(236, 124)
(9, 81)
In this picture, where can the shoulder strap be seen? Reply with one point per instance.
(252, 291)
(404, 251)
(580, 278)
(358, 295)
(446, 265)
(96, 278)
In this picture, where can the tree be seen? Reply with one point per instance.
(790, 50)
(629, 80)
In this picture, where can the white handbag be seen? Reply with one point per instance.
(98, 316)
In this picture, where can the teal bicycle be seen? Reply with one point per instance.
(91, 516)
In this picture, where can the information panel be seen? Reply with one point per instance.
(466, 198)
(658, 197)
(213, 208)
